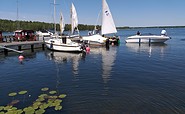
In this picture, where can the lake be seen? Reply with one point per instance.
(126, 79)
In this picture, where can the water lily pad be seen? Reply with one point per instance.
(35, 107)
(52, 92)
(50, 104)
(43, 95)
(1, 108)
(40, 111)
(52, 97)
(62, 96)
(58, 101)
(19, 111)
(44, 106)
(37, 103)
(11, 112)
(29, 110)
(58, 107)
(45, 89)
(23, 92)
(2, 113)
(12, 94)
(14, 108)
(40, 99)
(7, 107)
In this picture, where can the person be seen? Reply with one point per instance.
(138, 33)
(163, 32)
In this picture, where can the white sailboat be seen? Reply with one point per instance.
(65, 43)
(108, 27)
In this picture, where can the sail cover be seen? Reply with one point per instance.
(74, 19)
(108, 25)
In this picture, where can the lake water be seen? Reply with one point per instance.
(126, 79)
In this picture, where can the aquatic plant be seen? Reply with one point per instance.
(52, 92)
(39, 106)
(62, 96)
(12, 94)
(45, 89)
(22, 92)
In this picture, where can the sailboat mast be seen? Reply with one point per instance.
(54, 16)
(18, 25)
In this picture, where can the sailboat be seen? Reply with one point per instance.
(65, 43)
(108, 27)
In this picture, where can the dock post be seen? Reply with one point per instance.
(5, 51)
(149, 41)
(32, 48)
(139, 41)
(19, 48)
(43, 46)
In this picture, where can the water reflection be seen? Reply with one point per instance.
(150, 49)
(108, 60)
(63, 57)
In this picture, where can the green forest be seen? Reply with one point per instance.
(9, 26)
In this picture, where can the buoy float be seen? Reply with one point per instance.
(21, 57)
(88, 49)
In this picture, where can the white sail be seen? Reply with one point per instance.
(108, 25)
(62, 24)
(74, 19)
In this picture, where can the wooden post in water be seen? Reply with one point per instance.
(149, 41)
(139, 41)
(43, 48)
(32, 48)
(5, 51)
(19, 48)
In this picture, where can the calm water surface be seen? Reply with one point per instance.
(126, 79)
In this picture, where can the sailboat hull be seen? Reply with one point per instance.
(95, 39)
(57, 45)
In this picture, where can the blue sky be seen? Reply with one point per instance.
(135, 13)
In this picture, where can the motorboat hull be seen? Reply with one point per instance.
(147, 39)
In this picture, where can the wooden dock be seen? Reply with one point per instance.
(19, 46)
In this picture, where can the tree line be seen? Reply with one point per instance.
(10, 26)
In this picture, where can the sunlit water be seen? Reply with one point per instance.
(126, 79)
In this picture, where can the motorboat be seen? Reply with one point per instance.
(43, 35)
(147, 39)
(107, 27)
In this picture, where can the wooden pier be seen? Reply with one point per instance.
(20, 46)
